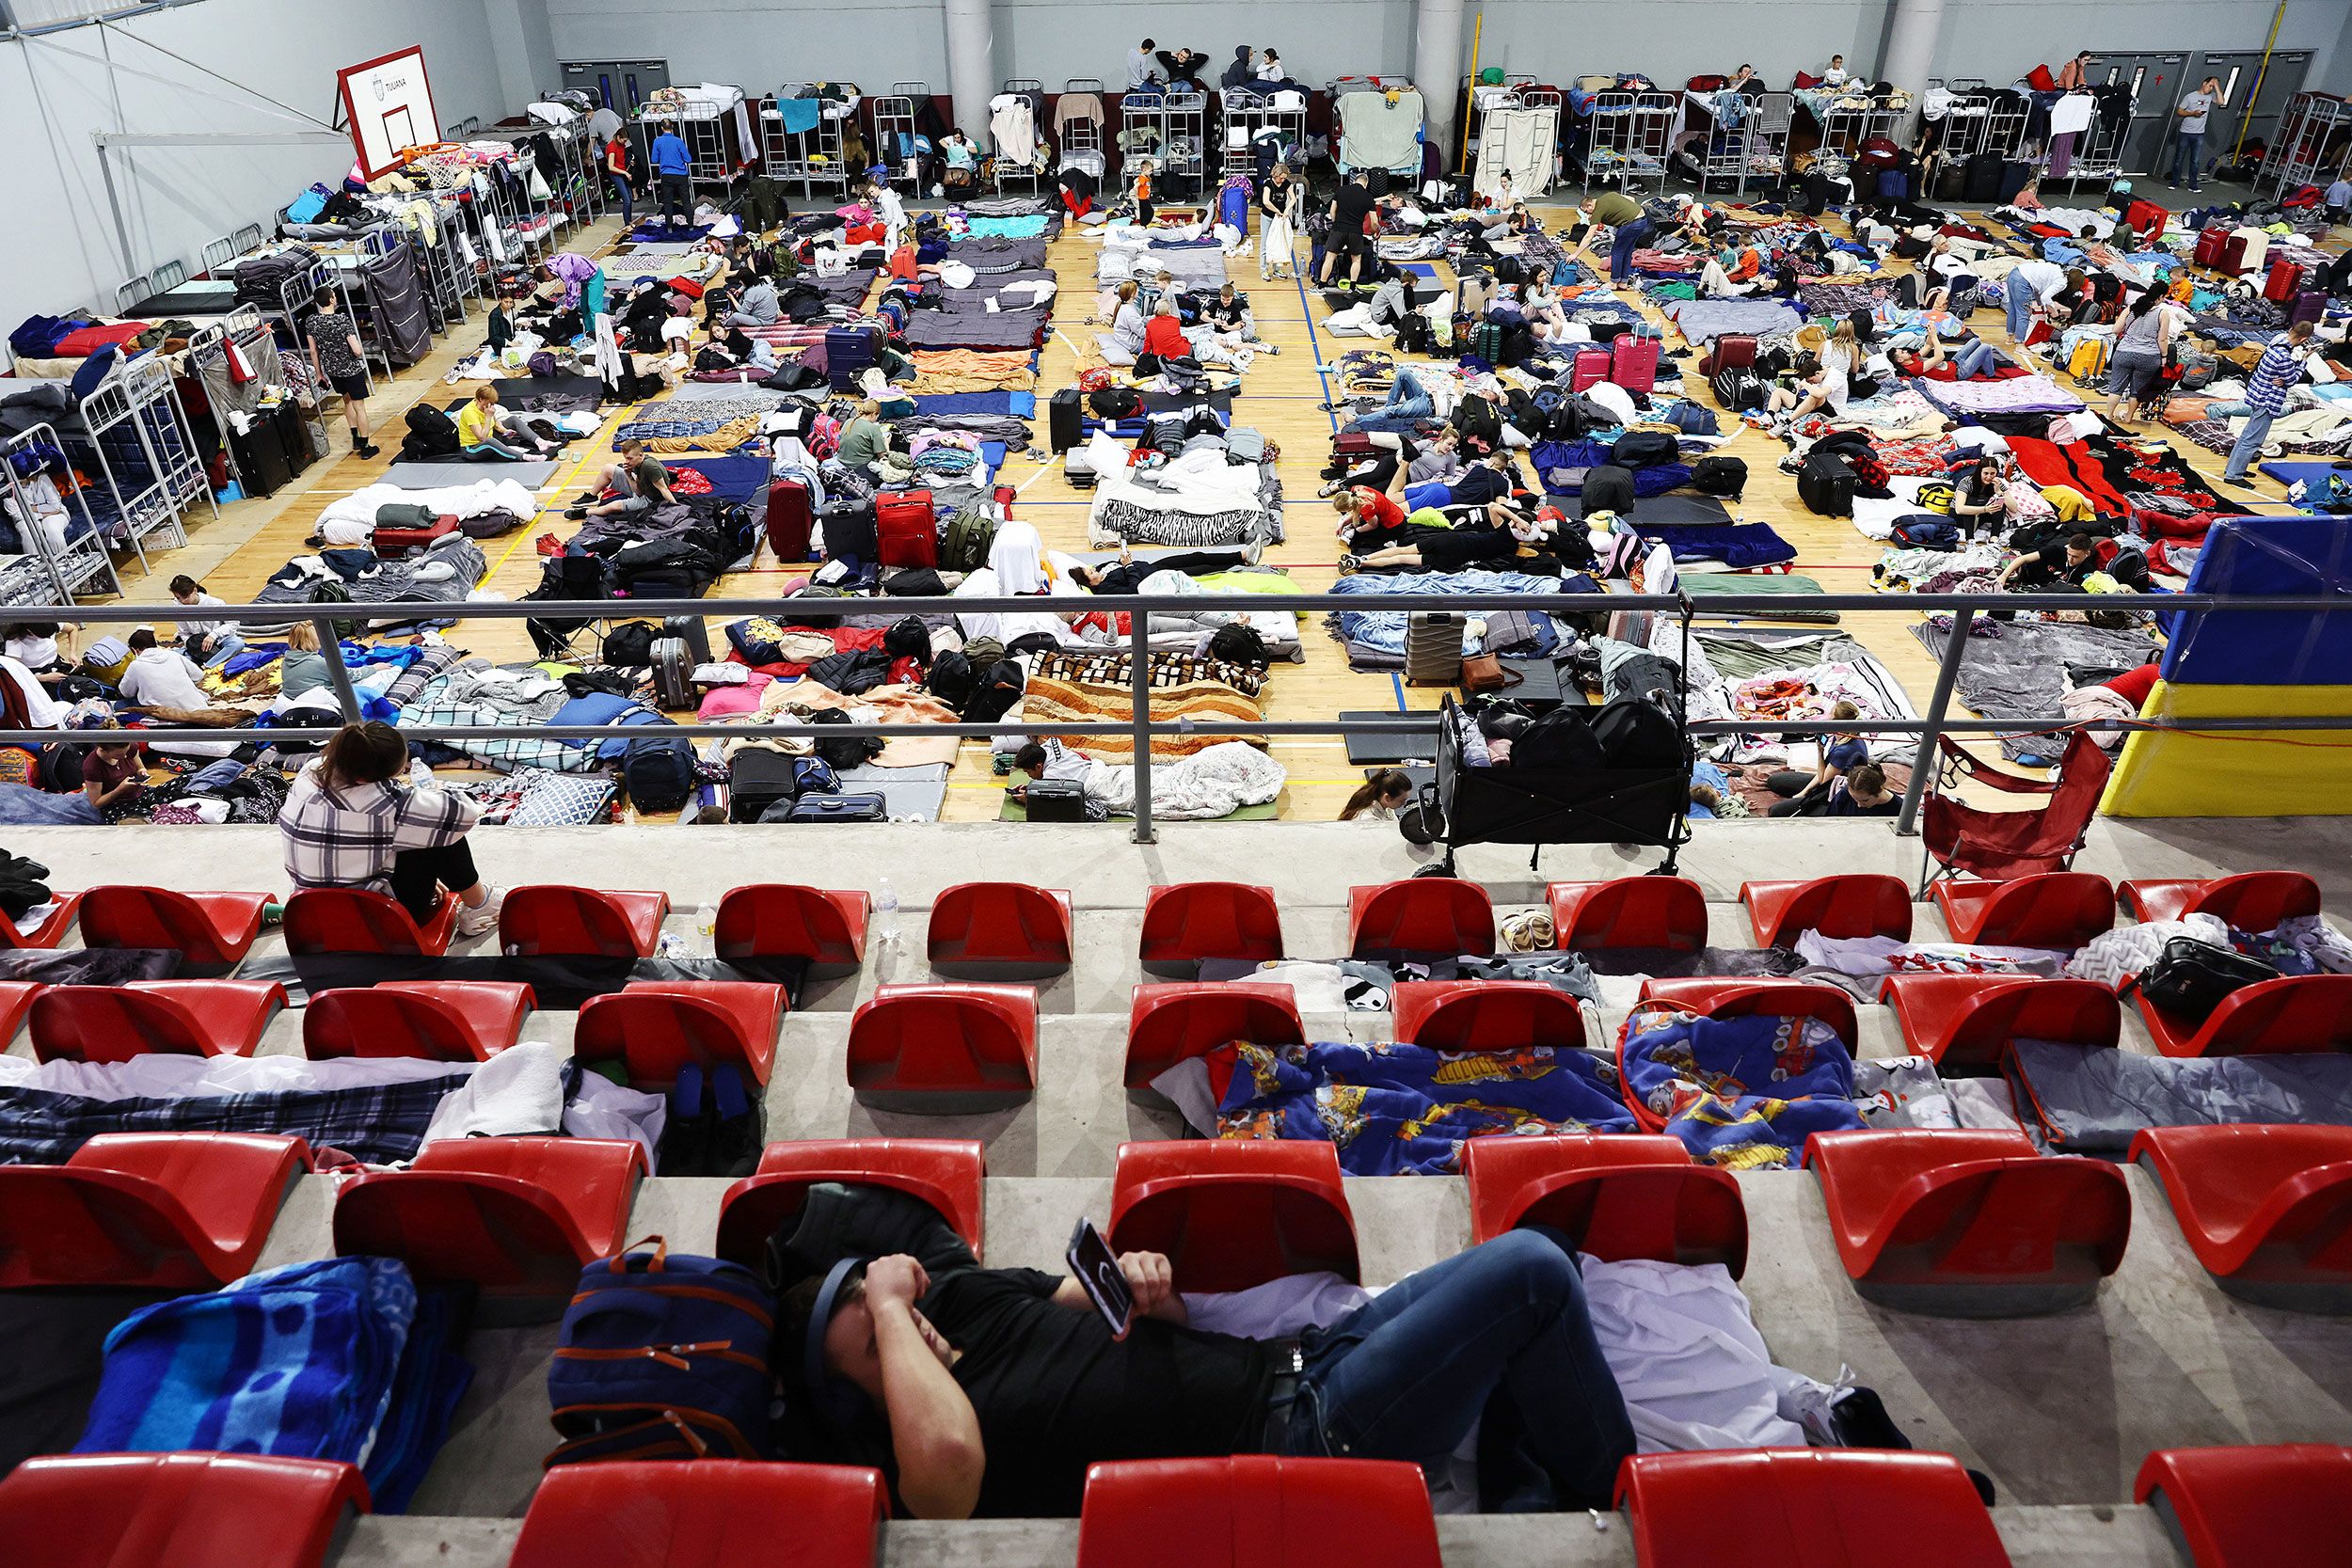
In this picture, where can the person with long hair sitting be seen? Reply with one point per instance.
(359, 816)
(1384, 793)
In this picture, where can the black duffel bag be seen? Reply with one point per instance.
(2190, 977)
(1643, 449)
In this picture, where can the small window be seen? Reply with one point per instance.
(2228, 86)
(2139, 78)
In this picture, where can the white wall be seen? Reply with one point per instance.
(56, 91)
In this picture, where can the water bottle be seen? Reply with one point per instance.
(705, 928)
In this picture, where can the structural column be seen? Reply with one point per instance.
(1911, 37)
(971, 65)
(1437, 67)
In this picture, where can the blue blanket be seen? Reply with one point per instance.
(1744, 1093)
(1384, 629)
(1703, 321)
(1401, 1110)
(1736, 544)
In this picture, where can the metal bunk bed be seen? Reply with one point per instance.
(1770, 130)
(1624, 139)
(1974, 125)
(1493, 161)
(1079, 142)
(1249, 114)
(2098, 151)
(2314, 144)
(1721, 151)
(1008, 171)
(73, 567)
(813, 158)
(136, 433)
(896, 144)
(208, 361)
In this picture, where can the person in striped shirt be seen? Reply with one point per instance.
(2280, 368)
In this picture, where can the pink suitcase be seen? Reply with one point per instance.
(1589, 366)
(1633, 362)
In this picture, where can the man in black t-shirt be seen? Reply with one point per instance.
(2072, 559)
(989, 1391)
(1348, 243)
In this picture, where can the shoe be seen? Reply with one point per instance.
(1333, 488)
(482, 920)
(365, 449)
(576, 513)
(1350, 565)
(1268, 348)
(1254, 551)
(549, 544)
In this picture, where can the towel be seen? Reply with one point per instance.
(800, 115)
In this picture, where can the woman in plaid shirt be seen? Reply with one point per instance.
(351, 820)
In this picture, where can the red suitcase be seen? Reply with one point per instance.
(2233, 254)
(2283, 281)
(2210, 244)
(908, 528)
(2145, 217)
(791, 520)
(1633, 362)
(1733, 351)
(1590, 364)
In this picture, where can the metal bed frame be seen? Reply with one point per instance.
(1974, 126)
(813, 158)
(1255, 113)
(141, 398)
(1519, 92)
(2098, 153)
(208, 356)
(1080, 142)
(81, 565)
(1722, 153)
(2300, 153)
(1026, 174)
(894, 133)
(1637, 127)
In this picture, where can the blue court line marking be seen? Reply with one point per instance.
(1398, 681)
(1321, 374)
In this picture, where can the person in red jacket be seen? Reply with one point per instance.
(1164, 334)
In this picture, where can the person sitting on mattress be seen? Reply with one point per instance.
(488, 431)
(638, 483)
(1731, 272)
(1807, 794)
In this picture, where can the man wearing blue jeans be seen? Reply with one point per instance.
(988, 1392)
(1409, 404)
(1629, 226)
(2029, 285)
(2280, 368)
(2188, 132)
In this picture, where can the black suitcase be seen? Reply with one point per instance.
(673, 674)
(2013, 178)
(839, 808)
(261, 455)
(1378, 181)
(690, 631)
(1056, 800)
(1980, 178)
(295, 437)
(756, 778)
(1061, 418)
(850, 530)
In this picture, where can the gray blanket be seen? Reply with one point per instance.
(2022, 672)
(2094, 1098)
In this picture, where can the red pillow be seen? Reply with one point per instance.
(2040, 79)
(1804, 80)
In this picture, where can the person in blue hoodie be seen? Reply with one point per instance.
(673, 169)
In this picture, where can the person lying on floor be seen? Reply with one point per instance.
(1488, 479)
(1949, 269)
(1976, 360)
(988, 1392)
(1420, 458)
(1128, 575)
(486, 430)
(1409, 404)
(1427, 543)
(638, 483)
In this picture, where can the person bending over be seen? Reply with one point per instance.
(1385, 792)
(756, 305)
(2067, 563)
(208, 642)
(988, 1392)
(2143, 337)
(1629, 228)
(484, 429)
(638, 483)
(1807, 794)
(865, 438)
(358, 817)
(1048, 759)
(1370, 519)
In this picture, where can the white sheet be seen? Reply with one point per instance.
(460, 501)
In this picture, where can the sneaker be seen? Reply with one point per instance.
(1333, 488)
(1269, 348)
(1254, 551)
(576, 513)
(483, 920)
(365, 449)
(547, 544)
(1350, 565)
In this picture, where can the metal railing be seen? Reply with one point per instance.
(1140, 727)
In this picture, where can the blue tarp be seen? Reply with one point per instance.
(2277, 556)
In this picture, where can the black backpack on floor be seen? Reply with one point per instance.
(1720, 476)
(1607, 488)
(659, 772)
(1739, 389)
(1643, 449)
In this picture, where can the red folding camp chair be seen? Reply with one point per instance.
(1965, 840)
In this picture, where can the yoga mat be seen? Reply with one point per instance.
(443, 476)
(1371, 751)
(1679, 512)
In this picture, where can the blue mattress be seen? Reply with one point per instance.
(2291, 472)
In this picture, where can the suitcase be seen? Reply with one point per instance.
(673, 674)
(1079, 468)
(1733, 351)
(849, 530)
(1056, 800)
(1433, 647)
(1062, 417)
(2283, 281)
(1980, 179)
(1633, 362)
(690, 630)
(838, 808)
(293, 433)
(756, 778)
(2210, 243)
(2245, 251)
(791, 520)
(2310, 305)
(2145, 217)
(907, 528)
(849, 350)
(1590, 366)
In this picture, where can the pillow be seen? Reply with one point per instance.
(561, 800)
(94, 371)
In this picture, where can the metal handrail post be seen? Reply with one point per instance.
(1939, 705)
(1139, 701)
(346, 695)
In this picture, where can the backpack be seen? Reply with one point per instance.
(949, 678)
(995, 693)
(973, 528)
(1238, 645)
(663, 1356)
(1720, 476)
(1739, 389)
(431, 433)
(659, 772)
(1825, 484)
(1925, 532)
(908, 638)
(2191, 976)
(1607, 488)
(1636, 733)
(630, 645)
(1643, 449)
(814, 776)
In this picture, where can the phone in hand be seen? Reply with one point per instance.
(1097, 1272)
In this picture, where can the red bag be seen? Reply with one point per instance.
(1805, 79)
(791, 520)
(907, 528)
(1590, 366)
(2210, 243)
(1733, 351)
(2145, 217)
(1708, 84)
(2040, 79)
(2283, 281)
(1633, 362)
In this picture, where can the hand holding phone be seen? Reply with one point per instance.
(1098, 1274)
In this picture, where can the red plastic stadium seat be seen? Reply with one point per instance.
(176, 1510)
(1772, 998)
(941, 1045)
(1178, 1020)
(2267, 1209)
(1970, 1224)
(783, 920)
(2253, 901)
(2294, 1012)
(50, 931)
(1233, 1213)
(355, 920)
(1964, 1022)
(577, 920)
(1623, 1197)
(1000, 927)
(711, 1513)
(1630, 912)
(946, 1173)
(1856, 904)
(2049, 909)
(1192, 921)
(516, 1216)
(656, 1027)
(2283, 1505)
(211, 930)
(16, 1001)
(158, 1210)
(185, 1018)
(445, 1020)
(1422, 914)
(1487, 1015)
(1256, 1511)
(1806, 1508)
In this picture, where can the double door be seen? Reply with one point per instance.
(622, 86)
(2159, 80)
